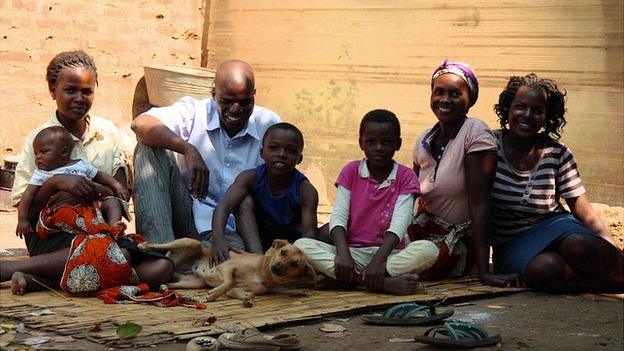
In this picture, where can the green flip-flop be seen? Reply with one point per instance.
(458, 335)
(408, 314)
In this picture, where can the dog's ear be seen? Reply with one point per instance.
(311, 273)
(277, 243)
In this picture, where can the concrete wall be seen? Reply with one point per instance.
(121, 36)
(323, 64)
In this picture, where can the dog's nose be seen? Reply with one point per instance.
(277, 269)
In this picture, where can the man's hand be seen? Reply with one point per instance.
(221, 250)
(345, 268)
(374, 275)
(79, 186)
(198, 172)
(23, 228)
(500, 280)
(103, 190)
(121, 192)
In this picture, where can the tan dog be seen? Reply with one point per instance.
(243, 276)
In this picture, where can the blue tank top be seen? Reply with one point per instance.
(279, 217)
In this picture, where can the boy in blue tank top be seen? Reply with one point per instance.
(285, 201)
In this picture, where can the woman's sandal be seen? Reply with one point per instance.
(202, 343)
(458, 335)
(408, 314)
(252, 339)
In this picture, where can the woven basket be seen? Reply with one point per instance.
(167, 84)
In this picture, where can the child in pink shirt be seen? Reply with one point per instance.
(373, 208)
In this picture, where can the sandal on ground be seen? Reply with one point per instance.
(252, 339)
(407, 314)
(458, 335)
(202, 343)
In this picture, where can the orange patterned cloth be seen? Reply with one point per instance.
(141, 294)
(95, 261)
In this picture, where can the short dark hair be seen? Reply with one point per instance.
(555, 102)
(381, 116)
(59, 133)
(285, 126)
(68, 59)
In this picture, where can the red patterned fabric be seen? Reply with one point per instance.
(141, 294)
(75, 219)
(95, 261)
(456, 257)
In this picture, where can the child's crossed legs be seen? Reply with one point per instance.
(401, 266)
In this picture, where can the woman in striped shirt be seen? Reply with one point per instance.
(532, 234)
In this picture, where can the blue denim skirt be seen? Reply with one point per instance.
(514, 255)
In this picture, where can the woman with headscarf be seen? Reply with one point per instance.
(456, 162)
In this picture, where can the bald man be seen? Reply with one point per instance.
(189, 154)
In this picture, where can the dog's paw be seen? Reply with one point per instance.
(211, 297)
(143, 246)
(248, 302)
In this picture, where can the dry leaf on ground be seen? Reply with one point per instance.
(401, 340)
(5, 339)
(204, 321)
(43, 312)
(332, 328)
(37, 340)
(338, 334)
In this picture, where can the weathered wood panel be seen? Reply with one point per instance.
(323, 64)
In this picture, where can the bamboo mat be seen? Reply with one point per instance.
(78, 316)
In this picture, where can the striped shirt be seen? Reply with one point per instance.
(521, 199)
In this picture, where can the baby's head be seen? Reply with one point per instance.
(380, 137)
(282, 146)
(53, 147)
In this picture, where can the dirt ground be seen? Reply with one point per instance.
(526, 321)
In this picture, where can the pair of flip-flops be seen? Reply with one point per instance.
(448, 335)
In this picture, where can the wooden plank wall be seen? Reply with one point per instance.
(323, 64)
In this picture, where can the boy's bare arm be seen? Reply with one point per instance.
(232, 198)
(309, 205)
(24, 226)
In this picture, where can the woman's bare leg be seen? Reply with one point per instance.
(549, 272)
(593, 258)
(155, 271)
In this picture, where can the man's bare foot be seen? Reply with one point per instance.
(402, 285)
(21, 283)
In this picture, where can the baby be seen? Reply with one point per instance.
(53, 148)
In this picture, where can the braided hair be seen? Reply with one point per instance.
(555, 102)
(68, 59)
